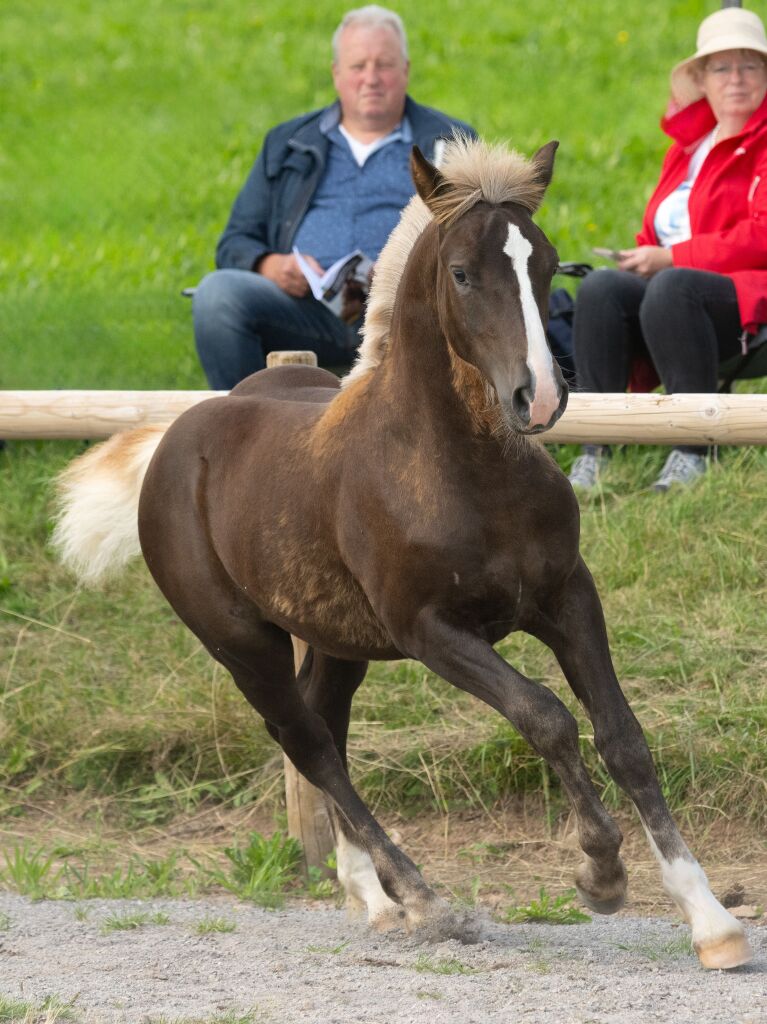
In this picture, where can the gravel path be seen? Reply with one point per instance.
(317, 967)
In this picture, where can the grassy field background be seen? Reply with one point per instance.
(125, 132)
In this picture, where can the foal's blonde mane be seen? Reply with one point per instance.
(475, 171)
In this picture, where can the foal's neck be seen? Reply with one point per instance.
(421, 363)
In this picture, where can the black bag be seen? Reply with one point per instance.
(560, 331)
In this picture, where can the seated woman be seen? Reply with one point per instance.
(698, 277)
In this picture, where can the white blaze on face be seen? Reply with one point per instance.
(539, 360)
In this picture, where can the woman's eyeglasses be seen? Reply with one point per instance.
(749, 69)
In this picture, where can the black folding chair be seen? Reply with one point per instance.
(745, 365)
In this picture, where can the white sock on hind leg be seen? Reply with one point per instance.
(360, 881)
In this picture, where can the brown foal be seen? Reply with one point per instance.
(408, 514)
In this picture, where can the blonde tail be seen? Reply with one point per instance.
(96, 531)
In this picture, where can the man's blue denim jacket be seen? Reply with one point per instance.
(279, 188)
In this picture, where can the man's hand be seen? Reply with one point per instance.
(645, 260)
(284, 270)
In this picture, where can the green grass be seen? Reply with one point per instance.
(130, 922)
(42, 873)
(426, 964)
(24, 1011)
(128, 129)
(548, 909)
(331, 950)
(138, 878)
(261, 870)
(660, 949)
(125, 132)
(30, 870)
(214, 925)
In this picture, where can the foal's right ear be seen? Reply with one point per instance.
(429, 182)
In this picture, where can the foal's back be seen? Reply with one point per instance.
(291, 383)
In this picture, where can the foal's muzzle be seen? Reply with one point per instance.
(526, 418)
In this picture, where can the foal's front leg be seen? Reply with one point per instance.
(472, 665)
(576, 633)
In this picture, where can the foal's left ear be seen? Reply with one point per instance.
(429, 182)
(543, 161)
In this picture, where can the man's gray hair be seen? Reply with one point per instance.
(371, 16)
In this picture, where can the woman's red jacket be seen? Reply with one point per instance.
(728, 204)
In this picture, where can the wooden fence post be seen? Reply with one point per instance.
(308, 818)
(301, 358)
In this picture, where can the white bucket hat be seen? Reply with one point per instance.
(732, 28)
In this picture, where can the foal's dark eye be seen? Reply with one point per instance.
(459, 275)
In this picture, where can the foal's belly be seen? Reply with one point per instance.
(322, 602)
(329, 610)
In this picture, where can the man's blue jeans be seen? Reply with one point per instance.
(239, 316)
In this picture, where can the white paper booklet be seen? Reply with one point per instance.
(329, 287)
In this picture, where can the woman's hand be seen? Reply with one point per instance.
(645, 260)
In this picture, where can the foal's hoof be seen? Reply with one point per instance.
(388, 919)
(440, 922)
(603, 896)
(604, 907)
(732, 951)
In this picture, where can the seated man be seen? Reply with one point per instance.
(326, 183)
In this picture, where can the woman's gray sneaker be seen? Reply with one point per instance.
(681, 468)
(584, 476)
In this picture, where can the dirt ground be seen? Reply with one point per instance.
(496, 857)
(318, 967)
(514, 848)
(310, 962)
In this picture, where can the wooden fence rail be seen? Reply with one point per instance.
(596, 419)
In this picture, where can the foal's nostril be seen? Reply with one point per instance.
(520, 403)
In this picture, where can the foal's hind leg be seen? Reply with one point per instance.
(262, 670)
(327, 686)
(259, 657)
(576, 633)
(306, 739)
